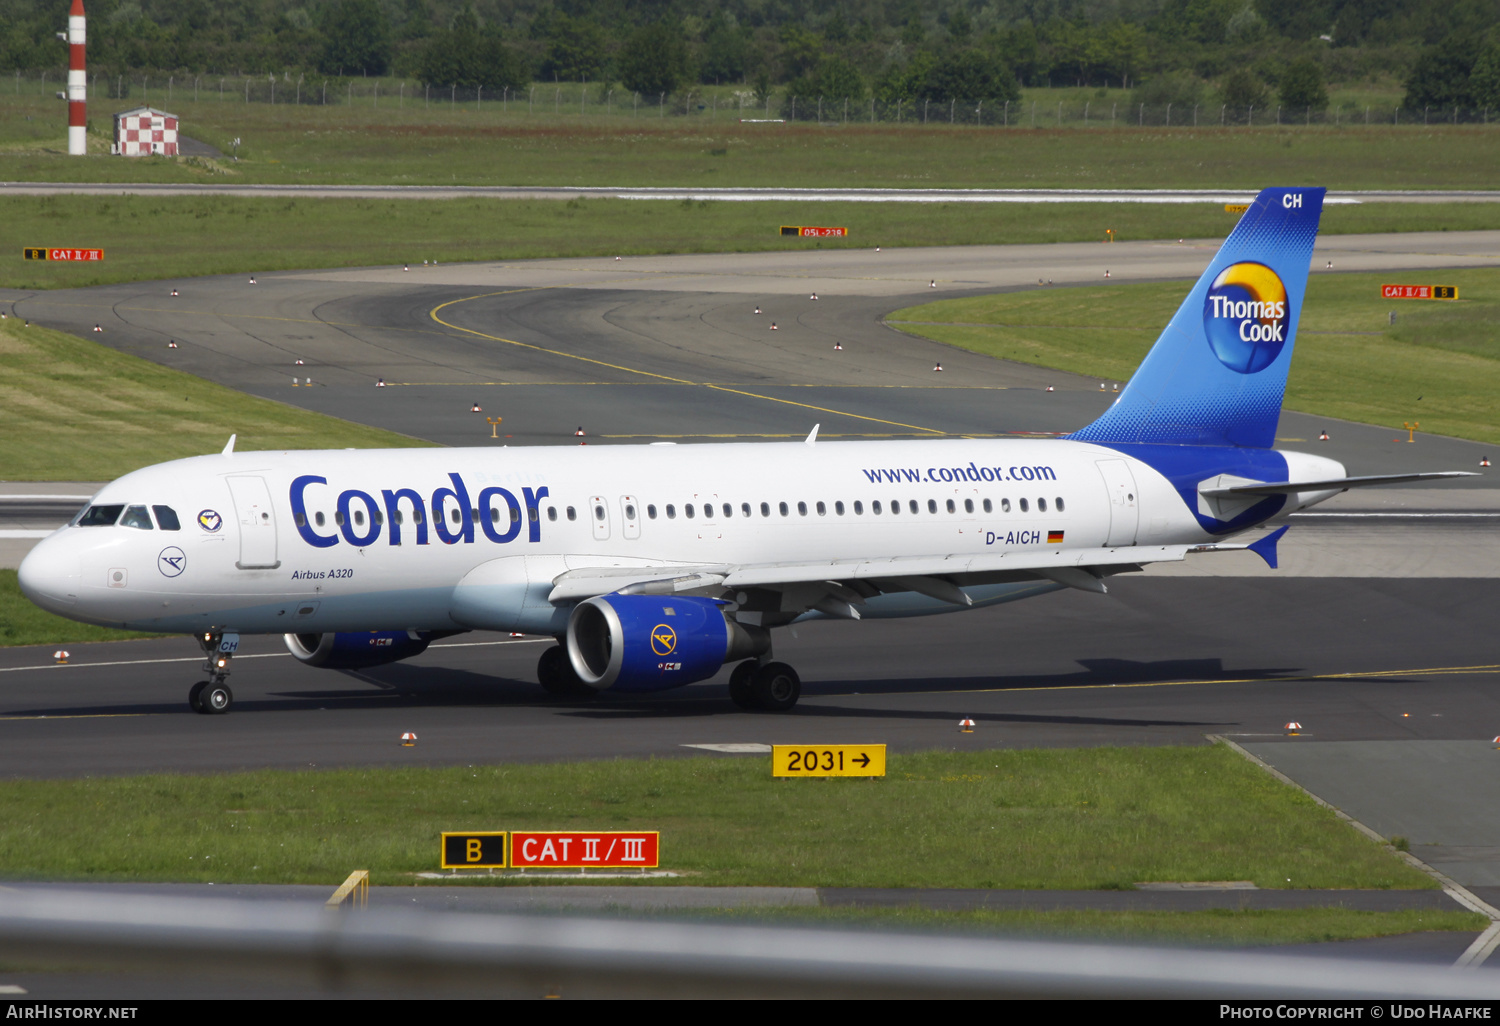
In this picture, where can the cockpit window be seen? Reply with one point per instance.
(137, 517)
(101, 516)
(166, 518)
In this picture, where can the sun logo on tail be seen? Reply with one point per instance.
(1245, 316)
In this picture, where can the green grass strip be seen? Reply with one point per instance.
(149, 237)
(1078, 818)
(1438, 365)
(74, 410)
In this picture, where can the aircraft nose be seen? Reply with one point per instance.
(50, 574)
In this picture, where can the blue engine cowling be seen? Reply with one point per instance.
(352, 650)
(655, 642)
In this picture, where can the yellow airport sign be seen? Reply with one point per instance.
(828, 760)
(1236, 208)
(474, 849)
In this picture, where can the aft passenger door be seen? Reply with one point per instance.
(1124, 510)
(252, 510)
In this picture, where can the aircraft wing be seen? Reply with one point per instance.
(846, 580)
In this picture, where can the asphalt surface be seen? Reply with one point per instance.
(1378, 633)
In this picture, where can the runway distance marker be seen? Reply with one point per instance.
(48, 253)
(1236, 208)
(808, 231)
(474, 849)
(828, 760)
(583, 849)
(1419, 292)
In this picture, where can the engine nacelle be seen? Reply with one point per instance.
(655, 642)
(353, 650)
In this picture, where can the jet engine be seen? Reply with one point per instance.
(655, 642)
(353, 650)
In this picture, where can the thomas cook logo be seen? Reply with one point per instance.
(210, 520)
(1245, 316)
(663, 640)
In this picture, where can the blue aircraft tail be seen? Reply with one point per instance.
(1217, 374)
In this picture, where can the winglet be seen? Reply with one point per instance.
(229, 446)
(812, 436)
(1266, 547)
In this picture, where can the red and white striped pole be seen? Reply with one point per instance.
(78, 81)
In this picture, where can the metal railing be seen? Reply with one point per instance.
(528, 955)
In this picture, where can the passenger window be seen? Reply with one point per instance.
(802, 509)
(968, 505)
(599, 511)
(318, 518)
(765, 509)
(838, 507)
(822, 510)
(1060, 506)
(552, 513)
(784, 510)
(1041, 505)
(1004, 505)
(651, 512)
(416, 515)
(687, 510)
(455, 517)
(137, 517)
(166, 518)
(515, 514)
(101, 516)
(859, 508)
(932, 505)
(629, 511)
(359, 517)
(744, 509)
(1024, 507)
(494, 514)
(399, 517)
(895, 507)
(728, 510)
(671, 512)
(532, 513)
(301, 519)
(874, 507)
(913, 504)
(338, 517)
(572, 513)
(989, 507)
(379, 517)
(951, 507)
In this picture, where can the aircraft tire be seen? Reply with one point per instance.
(195, 696)
(554, 671)
(216, 699)
(776, 687)
(741, 693)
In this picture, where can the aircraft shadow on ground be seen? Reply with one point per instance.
(437, 687)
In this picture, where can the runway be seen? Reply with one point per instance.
(1376, 632)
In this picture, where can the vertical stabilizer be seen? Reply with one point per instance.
(1217, 374)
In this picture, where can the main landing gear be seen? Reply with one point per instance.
(212, 697)
(768, 687)
(554, 670)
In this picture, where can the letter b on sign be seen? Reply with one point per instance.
(475, 849)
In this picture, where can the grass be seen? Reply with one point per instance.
(171, 237)
(1213, 926)
(1083, 818)
(445, 144)
(1439, 364)
(89, 413)
(22, 623)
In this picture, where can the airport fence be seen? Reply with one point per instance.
(561, 102)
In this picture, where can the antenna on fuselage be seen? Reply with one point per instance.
(229, 445)
(812, 436)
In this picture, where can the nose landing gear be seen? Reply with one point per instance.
(212, 697)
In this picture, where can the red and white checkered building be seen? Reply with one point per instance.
(145, 131)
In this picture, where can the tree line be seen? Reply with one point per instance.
(1244, 53)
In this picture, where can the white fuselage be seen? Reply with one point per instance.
(355, 553)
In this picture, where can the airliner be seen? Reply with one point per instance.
(655, 566)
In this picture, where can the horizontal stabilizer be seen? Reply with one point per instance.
(1333, 485)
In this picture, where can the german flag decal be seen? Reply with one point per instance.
(1054, 537)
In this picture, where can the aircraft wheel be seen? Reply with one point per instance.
(216, 699)
(195, 696)
(741, 693)
(554, 671)
(776, 687)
